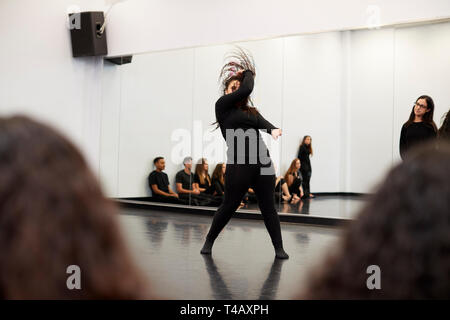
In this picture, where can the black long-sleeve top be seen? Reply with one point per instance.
(413, 134)
(303, 155)
(230, 116)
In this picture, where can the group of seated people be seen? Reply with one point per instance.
(200, 188)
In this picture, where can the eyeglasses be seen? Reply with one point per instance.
(421, 105)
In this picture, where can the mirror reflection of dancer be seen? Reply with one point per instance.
(246, 167)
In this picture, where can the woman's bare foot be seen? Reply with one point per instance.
(296, 197)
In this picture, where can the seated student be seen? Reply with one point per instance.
(218, 185)
(282, 192)
(159, 183)
(218, 180)
(294, 179)
(54, 215)
(202, 180)
(398, 246)
(187, 190)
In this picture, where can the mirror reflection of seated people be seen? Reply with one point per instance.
(202, 179)
(159, 183)
(188, 191)
(294, 178)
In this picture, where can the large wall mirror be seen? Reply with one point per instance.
(350, 91)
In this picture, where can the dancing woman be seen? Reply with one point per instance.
(246, 167)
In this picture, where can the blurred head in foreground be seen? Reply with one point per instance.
(53, 215)
(404, 230)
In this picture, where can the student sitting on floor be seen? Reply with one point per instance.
(282, 192)
(202, 180)
(187, 190)
(294, 178)
(218, 180)
(158, 182)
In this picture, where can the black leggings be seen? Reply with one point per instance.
(306, 178)
(238, 178)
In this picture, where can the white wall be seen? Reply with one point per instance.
(138, 26)
(312, 96)
(370, 125)
(39, 77)
(345, 89)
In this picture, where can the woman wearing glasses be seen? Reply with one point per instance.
(420, 125)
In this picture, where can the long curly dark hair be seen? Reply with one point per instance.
(53, 215)
(404, 229)
(444, 130)
(236, 60)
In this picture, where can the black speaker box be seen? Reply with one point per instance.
(85, 33)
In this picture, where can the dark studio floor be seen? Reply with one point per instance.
(167, 247)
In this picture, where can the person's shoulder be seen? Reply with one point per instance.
(153, 173)
(179, 173)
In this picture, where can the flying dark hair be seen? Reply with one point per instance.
(427, 117)
(237, 60)
(404, 229)
(53, 214)
(444, 130)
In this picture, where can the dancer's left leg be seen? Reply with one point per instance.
(264, 191)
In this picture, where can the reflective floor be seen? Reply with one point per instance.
(324, 206)
(344, 207)
(167, 248)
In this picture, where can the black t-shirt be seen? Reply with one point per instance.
(415, 133)
(185, 179)
(160, 179)
(245, 145)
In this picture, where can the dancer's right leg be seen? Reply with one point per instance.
(237, 182)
